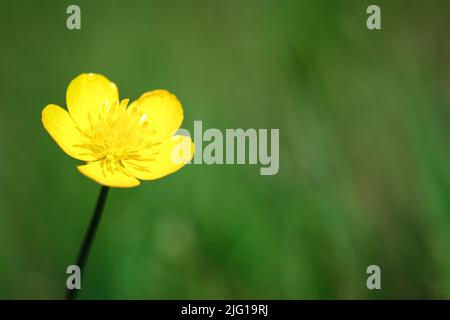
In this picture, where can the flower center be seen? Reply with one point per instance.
(117, 133)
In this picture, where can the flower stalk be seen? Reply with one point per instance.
(89, 237)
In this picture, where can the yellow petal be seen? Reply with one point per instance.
(98, 172)
(63, 130)
(87, 94)
(163, 111)
(161, 160)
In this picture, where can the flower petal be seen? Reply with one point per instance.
(163, 111)
(111, 178)
(161, 160)
(63, 130)
(87, 94)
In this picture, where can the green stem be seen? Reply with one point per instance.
(89, 237)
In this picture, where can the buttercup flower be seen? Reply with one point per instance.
(120, 144)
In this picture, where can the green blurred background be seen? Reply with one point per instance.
(364, 150)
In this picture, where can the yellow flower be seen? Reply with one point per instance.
(120, 144)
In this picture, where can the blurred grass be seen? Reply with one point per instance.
(364, 150)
